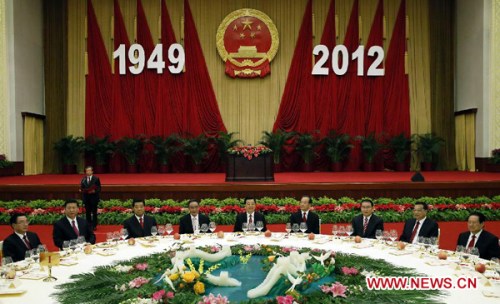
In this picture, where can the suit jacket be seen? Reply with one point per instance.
(15, 247)
(63, 231)
(487, 244)
(242, 218)
(134, 227)
(95, 183)
(186, 226)
(375, 223)
(429, 229)
(312, 221)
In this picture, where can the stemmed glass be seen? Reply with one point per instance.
(496, 264)
(65, 247)
(244, 227)
(393, 234)
(474, 252)
(161, 230)
(204, 228)
(80, 242)
(212, 226)
(168, 228)
(288, 228)
(259, 225)
(6, 263)
(341, 231)
(124, 234)
(335, 230)
(379, 234)
(109, 237)
(251, 227)
(348, 230)
(28, 257)
(154, 231)
(72, 246)
(303, 227)
(295, 228)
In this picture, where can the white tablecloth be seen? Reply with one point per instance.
(40, 292)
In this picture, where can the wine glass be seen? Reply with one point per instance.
(161, 230)
(168, 228)
(72, 246)
(379, 234)
(80, 242)
(259, 225)
(288, 228)
(65, 247)
(295, 227)
(6, 263)
(251, 227)
(36, 255)
(341, 231)
(154, 231)
(496, 264)
(28, 256)
(212, 226)
(109, 237)
(434, 243)
(124, 234)
(393, 234)
(348, 230)
(335, 230)
(474, 253)
(244, 227)
(204, 228)
(303, 227)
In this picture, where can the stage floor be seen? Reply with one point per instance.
(189, 185)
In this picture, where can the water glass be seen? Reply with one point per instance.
(251, 227)
(379, 234)
(212, 226)
(259, 225)
(154, 231)
(168, 228)
(124, 234)
(204, 228)
(288, 228)
(295, 227)
(348, 230)
(303, 227)
(244, 227)
(335, 230)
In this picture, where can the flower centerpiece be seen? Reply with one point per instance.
(249, 151)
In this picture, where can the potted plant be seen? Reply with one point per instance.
(196, 148)
(164, 149)
(100, 149)
(305, 144)
(401, 146)
(428, 148)
(276, 141)
(6, 166)
(337, 148)
(69, 149)
(224, 141)
(370, 146)
(131, 149)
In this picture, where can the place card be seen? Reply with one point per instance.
(106, 252)
(436, 263)
(491, 293)
(400, 252)
(362, 245)
(33, 276)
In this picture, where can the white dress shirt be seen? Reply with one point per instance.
(475, 240)
(415, 239)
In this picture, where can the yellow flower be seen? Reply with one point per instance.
(271, 258)
(199, 288)
(188, 277)
(196, 274)
(173, 276)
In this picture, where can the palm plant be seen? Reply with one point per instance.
(275, 141)
(196, 148)
(305, 144)
(69, 149)
(225, 141)
(401, 146)
(165, 147)
(337, 146)
(130, 148)
(100, 148)
(428, 146)
(370, 146)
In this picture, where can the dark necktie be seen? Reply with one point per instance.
(365, 225)
(88, 180)
(74, 228)
(141, 222)
(250, 220)
(27, 242)
(414, 231)
(304, 217)
(472, 241)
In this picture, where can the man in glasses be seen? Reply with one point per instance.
(22, 240)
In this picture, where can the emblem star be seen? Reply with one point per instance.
(247, 23)
(242, 35)
(252, 35)
(235, 27)
(258, 27)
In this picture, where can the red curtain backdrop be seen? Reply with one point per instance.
(397, 98)
(99, 81)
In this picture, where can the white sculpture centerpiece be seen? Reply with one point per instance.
(289, 266)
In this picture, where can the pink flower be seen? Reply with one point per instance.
(337, 289)
(214, 249)
(288, 249)
(157, 296)
(170, 295)
(141, 266)
(349, 271)
(138, 282)
(285, 299)
(248, 248)
(211, 299)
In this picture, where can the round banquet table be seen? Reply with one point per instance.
(40, 292)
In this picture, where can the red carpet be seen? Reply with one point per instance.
(287, 177)
(449, 231)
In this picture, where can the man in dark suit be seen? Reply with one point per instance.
(250, 216)
(70, 227)
(139, 224)
(192, 222)
(16, 244)
(366, 224)
(90, 186)
(420, 225)
(484, 241)
(305, 215)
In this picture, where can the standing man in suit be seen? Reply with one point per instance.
(250, 216)
(305, 215)
(90, 186)
(192, 222)
(70, 227)
(366, 224)
(484, 241)
(16, 244)
(139, 224)
(420, 225)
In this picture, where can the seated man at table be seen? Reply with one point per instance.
(366, 224)
(305, 215)
(484, 241)
(250, 216)
(70, 227)
(139, 224)
(420, 225)
(192, 221)
(22, 240)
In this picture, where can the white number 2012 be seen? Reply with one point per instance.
(340, 60)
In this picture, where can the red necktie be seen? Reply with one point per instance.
(365, 225)
(27, 242)
(141, 222)
(250, 221)
(414, 231)
(472, 241)
(74, 228)
(304, 218)
(88, 180)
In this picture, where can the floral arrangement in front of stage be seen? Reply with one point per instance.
(163, 278)
(495, 156)
(249, 151)
(277, 210)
